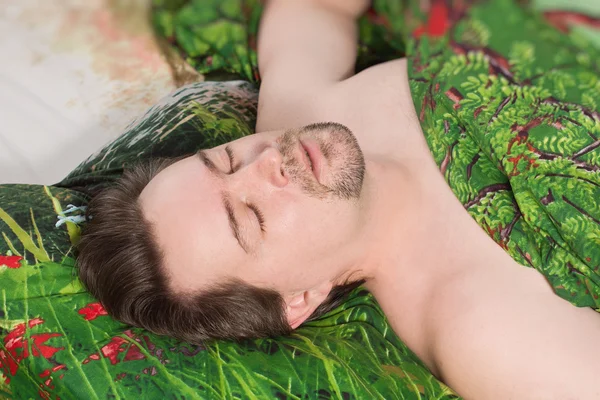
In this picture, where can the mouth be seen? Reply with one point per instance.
(312, 157)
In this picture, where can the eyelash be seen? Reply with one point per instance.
(259, 216)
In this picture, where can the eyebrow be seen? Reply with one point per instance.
(233, 222)
(208, 162)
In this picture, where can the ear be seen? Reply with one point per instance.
(301, 305)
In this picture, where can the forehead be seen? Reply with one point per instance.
(184, 205)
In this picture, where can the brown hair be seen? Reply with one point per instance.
(120, 263)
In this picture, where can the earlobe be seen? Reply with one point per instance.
(302, 305)
(296, 309)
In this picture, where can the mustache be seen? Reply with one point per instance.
(287, 144)
(295, 168)
(339, 148)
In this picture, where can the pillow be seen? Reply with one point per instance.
(58, 342)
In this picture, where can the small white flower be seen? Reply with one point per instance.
(76, 219)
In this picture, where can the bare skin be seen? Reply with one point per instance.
(487, 326)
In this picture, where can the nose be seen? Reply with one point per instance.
(270, 167)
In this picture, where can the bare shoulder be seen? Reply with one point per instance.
(376, 90)
(376, 105)
(505, 329)
(390, 74)
(367, 91)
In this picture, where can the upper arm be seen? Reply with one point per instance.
(516, 339)
(304, 47)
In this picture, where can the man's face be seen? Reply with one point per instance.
(274, 209)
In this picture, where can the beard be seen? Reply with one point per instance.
(341, 152)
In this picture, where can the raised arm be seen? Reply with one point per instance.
(304, 47)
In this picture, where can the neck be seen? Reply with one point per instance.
(410, 220)
(417, 238)
(388, 211)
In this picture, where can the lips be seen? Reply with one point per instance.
(314, 157)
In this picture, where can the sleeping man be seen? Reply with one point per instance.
(337, 188)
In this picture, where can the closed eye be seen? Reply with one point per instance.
(232, 166)
(259, 216)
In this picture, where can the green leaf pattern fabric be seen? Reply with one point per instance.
(509, 109)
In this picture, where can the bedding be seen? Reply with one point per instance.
(58, 342)
(510, 108)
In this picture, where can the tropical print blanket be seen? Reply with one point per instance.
(510, 109)
(511, 118)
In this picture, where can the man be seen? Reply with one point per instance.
(251, 238)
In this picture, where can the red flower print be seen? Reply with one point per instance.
(48, 371)
(117, 345)
(11, 261)
(92, 311)
(16, 347)
(48, 383)
(438, 23)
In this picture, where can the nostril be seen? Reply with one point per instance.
(283, 179)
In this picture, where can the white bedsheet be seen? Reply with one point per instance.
(73, 74)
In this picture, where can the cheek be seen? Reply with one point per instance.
(302, 248)
(309, 231)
